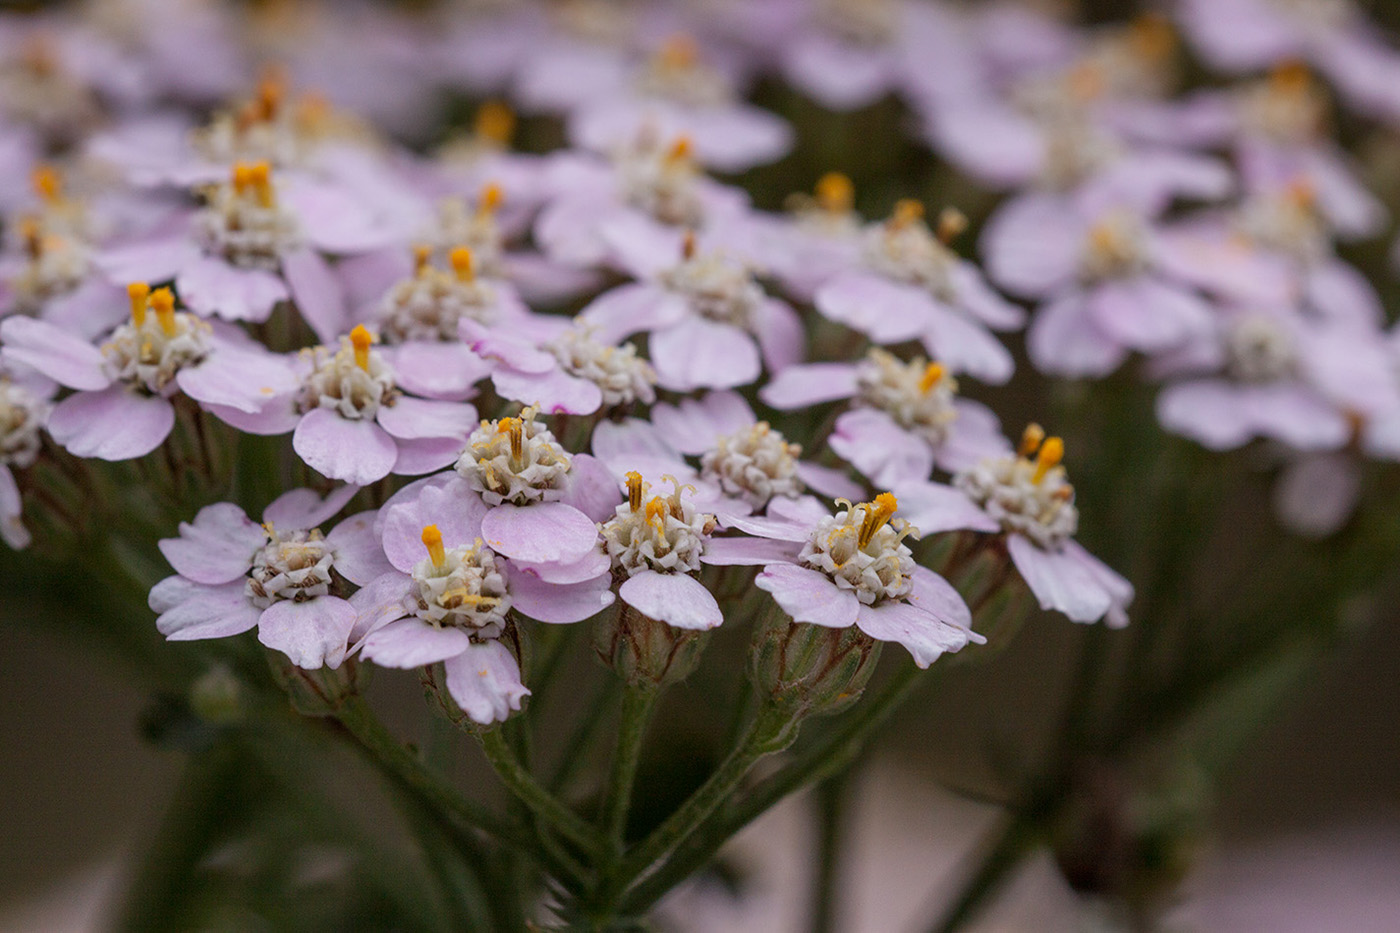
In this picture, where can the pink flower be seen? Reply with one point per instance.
(233, 574)
(122, 406)
(851, 569)
(710, 323)
(1031, 504)
(911, 286)
(906, 417)
(353, 421)
(24, 408)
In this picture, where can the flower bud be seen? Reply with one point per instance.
(811, 669)
(645, 652)
(216, 697)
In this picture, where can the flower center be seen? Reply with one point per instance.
(904, 248)
(354, 381)
(830, 209)
(1287, 221)
(429, 304)
(661, 180)
(1116, 247)
(475, 228)
(461, 587)
(718, 288)
(861, 22)
(292, 565)
(862, 549)
(515, 460)
(754, 464)
(243, 221)
(622, 375)
(1028, 496)
(661, 533)
(56, 263)
(271, 127)
(1259, 351)
(21, 417)
(1289, 106)
(157, 343)
(675, 72)
(918, 395)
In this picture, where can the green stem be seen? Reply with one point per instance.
(546, 807)
(822, 758)
(391, 756)
(773, 729)
(637, 705)
(573, 759)
(832, 798)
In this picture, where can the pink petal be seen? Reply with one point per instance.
(12, 530)
(1315, 495)
(302, 509)
(966, 346)
(975, 435)
(54, 352)
(359, 555)
(781, 337)
(355, 451)
(593, 489)
(114, 424)
(885, 311)
(313, 634)
(935, 595)
(413, 418)
(211, 287)
(554, 392)
(1058, 581)
(627, 309)
(1148, 315)
(90, 310)
(545, 532)
(588, 567)
(693, 425)
(976, 297)
(924, 634)
(485, 681)
(386, 598)
(809, 596)
(426, 455)
(217, 547)
(190, 612)
(701, 354)
(749, 552)
(413, 643)
(834, 484)
(238, 379)
(278, 416)
(451, 505)
(934, 507)
(438, 370)
(559, 603)
(1033, 244)
(148, 261)
(809, 384)
(1063, 340)
(879, 448)
(839, 75)
(674, 598)
(317, 292)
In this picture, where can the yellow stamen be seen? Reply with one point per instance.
(906, 212)
(680, 150)
(516, 429)
(688, 245)
(33, 236)
(933, 374)
(260, 177)
(242, 177)
(877, 515)
(1085, 82)
(272, 89)
(491, 198)
(1153, 36)
(495, 121)
(162, 302)
(432, 540)
(951, 223)
(1051, 453)
(138, 292)
(1301, 192)
(835, 193)
(462, 264)
(48, 184)
(657, 510)
(1031, 439)
(678, 53)
(634, 490)
(1291, 79)
(360, 339)
(421, 254)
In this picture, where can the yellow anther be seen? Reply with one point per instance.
(835, 193)
(432, 540)
(515, 429)
(138, 292)
(1300, 192)
(1153, 36)
(1031, 438)
(1291, 78)
(313, 112)
(688, 245)
(242, 177)
(48, 184)
(877, 515)
(491, 198)
(360, 340)
(906, 212)
(495, 122)
(634, 490)
(1086, 81)
(1051, 453)
(933, 374)
(271, 92)
(657, 510)
(951, 223)
(462, 264)
(162, 302)
(678, 53)
(680, 150)
(260, 177)
(421, 254)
